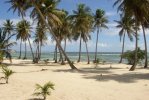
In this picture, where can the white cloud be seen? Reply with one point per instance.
(109, 14)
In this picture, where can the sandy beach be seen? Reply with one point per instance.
(101, 83)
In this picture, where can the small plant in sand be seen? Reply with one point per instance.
(44, 90)
(97, 62)
(1, 57)
(7, 73)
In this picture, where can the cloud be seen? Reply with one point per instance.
(109, 14)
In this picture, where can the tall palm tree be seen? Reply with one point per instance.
(23, 33)
(82, 25)
(100, 22)
(139, 10)
(37, 5)
(20, 6)
(5, 40)
(40, 38)
(126, 27)
(8, 27)
(51, 16)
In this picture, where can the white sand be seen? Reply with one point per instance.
(116, 83)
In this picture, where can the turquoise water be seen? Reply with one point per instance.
(109, 57)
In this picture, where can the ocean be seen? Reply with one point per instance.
(103, 56)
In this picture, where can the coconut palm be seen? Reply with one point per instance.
(37, 6)
(82, 24)
(44, 90)
(66, 28)
(7, 73)
(100, 22)
(63, 32)
(8, 27)
(126, 27)
(139, 10)
(20, 6)
(51, 16)
(23, 33)
(4, 40)
(40, 39)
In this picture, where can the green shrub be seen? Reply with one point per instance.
(130, 56)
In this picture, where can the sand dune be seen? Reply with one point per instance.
(101, 83)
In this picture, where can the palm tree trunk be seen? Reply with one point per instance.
(56, 53)
(65, 47)
(31, 48)
(80, 50)
(44, 20)
(25, 51)
(36, 55)
(40, 51)
(146, 57)
(123, 45)
(87, 53)
(20, 49)
(136, 54)
(61, 58)
(96, 45)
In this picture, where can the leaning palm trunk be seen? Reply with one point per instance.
(41, 15)
(20, 49)
(31, 48)
(87, 53)
(65, 47)
(96, 45)
(55, 54)
(136, 54)
(80, 50)
(25, 51)
(146, 57)
(123, 45)
(61, 58)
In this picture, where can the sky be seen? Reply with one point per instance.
(109, 40)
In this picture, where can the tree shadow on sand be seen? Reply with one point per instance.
(123, 78)
(35, 99)
(106, 74)
(97, 70)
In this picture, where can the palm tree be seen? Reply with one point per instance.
(51, 16)
(44, 90)
(82, 25)
(100, 22)
(8, 27)
(4, 40)
(126, 27)
(23, 33)
(38, 6)
(20, 6)
(7, 72)
(139, 10)
(40, 38)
